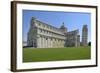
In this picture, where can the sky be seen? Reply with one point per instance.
(72, 20)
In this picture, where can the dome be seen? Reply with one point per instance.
(63, 28)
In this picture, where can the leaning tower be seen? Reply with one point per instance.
(84, 35)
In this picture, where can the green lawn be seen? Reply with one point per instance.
(55, 54)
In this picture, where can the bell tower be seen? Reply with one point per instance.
(84, 35)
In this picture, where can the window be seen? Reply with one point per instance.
(46, 38)
(41, 30)
(47, 32)
(39, 24)
(44, 26)
(44, 31)
(50, 27)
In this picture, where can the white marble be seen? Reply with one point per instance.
(48, 36)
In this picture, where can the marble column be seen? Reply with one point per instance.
(38, 42)
(76, 41)
(43, 42)
(48, 42)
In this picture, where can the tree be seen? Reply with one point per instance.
(89, 44)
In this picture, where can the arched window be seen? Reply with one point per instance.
(39, 24)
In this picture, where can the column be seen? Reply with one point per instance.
(53, 43)
(38, 42)
(42, 42)
(75, 41)
(49, 42)
(62, 43)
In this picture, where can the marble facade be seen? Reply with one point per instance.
(43, 35)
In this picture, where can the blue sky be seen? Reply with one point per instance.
(72, 20)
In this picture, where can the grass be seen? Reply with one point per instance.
(55, 54)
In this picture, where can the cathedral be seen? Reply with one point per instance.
(43, 35)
